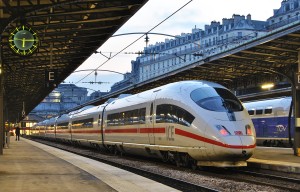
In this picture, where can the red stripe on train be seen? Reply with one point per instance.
(152, 130)
(131, 130)
(206, 140)
(86, 131)
(163, 130)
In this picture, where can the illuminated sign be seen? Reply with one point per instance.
(51, 78)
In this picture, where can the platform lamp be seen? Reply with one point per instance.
(267, 86)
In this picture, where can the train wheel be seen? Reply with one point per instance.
(185, 158)
(193, 164)
(165, 156)
(177, 159)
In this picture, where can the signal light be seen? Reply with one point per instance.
(223, 130)
(248, 130)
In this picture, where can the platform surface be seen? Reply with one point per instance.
(33, 167)
(279, 159)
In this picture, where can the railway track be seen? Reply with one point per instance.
(273, 180)
(281, 182)
(215, 179)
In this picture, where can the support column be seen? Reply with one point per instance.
(1, 105)
(296, 98)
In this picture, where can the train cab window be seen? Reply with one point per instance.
(259, 112)
(251, 112)
(216, 99)
(166, 113)
(268, 111)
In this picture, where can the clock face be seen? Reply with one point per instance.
(23, 40)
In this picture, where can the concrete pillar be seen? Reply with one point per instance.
(1, 104)
(296, 97)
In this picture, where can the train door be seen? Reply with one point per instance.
(151, 125)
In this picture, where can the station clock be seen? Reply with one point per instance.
(23, 40)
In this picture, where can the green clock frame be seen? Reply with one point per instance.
(23, 40)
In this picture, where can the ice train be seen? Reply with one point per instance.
(196, 123)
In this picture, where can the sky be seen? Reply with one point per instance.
(197, 13)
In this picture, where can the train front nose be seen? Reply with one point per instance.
(240, 147)
(235, 142)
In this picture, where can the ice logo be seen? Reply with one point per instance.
(280, 128)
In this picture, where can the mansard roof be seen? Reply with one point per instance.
(251, 25)
(286, 7)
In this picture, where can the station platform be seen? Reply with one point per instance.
(33, 167)
(30, 166)
(278, 159)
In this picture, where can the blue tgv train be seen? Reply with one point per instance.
(273, 121)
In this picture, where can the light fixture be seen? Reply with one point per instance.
(267, 86)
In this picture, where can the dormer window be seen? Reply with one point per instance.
(287, 7)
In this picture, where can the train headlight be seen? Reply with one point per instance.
(223, 130)
(248, 130)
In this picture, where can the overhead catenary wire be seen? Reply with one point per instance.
(135, 41)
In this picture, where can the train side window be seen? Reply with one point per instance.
(259, 112)
(84, 123)
(63, 125)
(184, 117)
(251, 112)
(142, 114)
(173, 114)
(268, 111)
(128, 118)
(135, 116)
(122, 119)
(160, 113)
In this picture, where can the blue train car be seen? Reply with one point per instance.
(273, 121)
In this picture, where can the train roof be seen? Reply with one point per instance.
(283, 102)
(82, 109)
(170, 89)
(90, 110)
(143, 97)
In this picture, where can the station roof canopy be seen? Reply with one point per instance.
(68, 31)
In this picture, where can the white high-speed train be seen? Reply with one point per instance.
(189, 122)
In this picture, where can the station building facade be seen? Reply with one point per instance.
(64, 97)
(187, 48)
(288, 12)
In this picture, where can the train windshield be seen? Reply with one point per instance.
(216, 99)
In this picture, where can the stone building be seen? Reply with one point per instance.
(64, 97)
(188, 48)
(287, 13)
